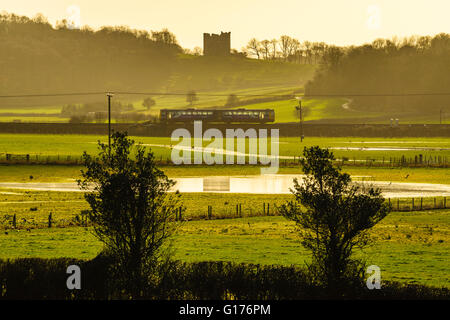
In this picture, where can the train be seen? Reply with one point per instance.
(217, 115)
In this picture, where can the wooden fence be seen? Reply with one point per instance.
(415, 162)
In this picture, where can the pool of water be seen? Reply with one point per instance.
(262, 184)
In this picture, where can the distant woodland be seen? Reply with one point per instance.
(36, 57)
(416, 65)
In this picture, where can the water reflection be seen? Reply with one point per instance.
(262, 184)
(280, 184)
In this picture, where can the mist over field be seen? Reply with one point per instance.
(388, 78)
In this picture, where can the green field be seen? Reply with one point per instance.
(32, 208)
(314, 109)
(408, 246)
(349, 147)
(207, 99)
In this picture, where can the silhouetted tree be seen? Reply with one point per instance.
(254, 48)
(191, 97)
(148, 103)
(164, 36)
(265, 49)
(232, 100)
(131, 209)
(333, 217)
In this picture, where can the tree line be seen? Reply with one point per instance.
(36, 57)
(289, 49)
(400, 76)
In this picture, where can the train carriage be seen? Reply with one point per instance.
(223, 116)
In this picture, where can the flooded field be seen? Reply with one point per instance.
(263, 184)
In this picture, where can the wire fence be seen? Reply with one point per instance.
(417, 161)
(209, 212)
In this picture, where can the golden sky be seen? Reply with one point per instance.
(340, 22)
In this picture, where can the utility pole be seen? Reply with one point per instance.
(299, 109)
(109, 95)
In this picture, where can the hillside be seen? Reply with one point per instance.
(375, 76)
(37, 58)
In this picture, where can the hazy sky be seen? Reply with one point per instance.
(333, 21)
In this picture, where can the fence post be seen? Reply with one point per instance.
(412, 205)
(268, 208)
(421, 201)
(434, 202)
(50, 220)
(14, 221)
(264, 208)
(240, 210)
(398, 204)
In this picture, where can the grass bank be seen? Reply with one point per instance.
(407, 246)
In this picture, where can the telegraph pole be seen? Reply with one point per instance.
(109, 95)
(299, 109)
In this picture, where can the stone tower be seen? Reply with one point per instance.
(217, 45)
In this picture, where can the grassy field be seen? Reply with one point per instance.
(407, 246)
(349, 147)
(206, 100)
(32, 208)
(314, 109)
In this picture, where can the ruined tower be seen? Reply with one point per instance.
(216, 45)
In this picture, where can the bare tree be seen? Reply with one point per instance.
(197, 51)
(274, 48)
(191, 97)
(254, 47)
(288, 46)
(265, 49)
(164, 36)
(149, 102)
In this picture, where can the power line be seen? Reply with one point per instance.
(286, 95)
(225, 95)
(38, 95)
